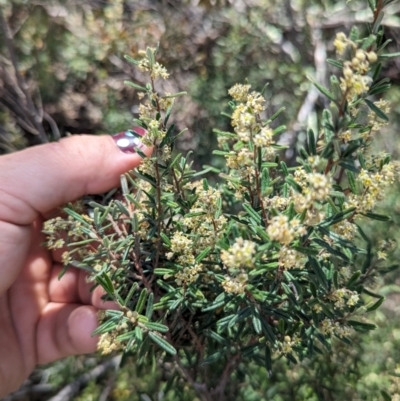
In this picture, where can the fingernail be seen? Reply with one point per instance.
(129, 142)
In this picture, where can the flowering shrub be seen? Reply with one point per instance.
(270, 263)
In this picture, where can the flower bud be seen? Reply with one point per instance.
(372, 57)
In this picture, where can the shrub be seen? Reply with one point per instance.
(270, 263)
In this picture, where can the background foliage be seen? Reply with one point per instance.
(71, 54)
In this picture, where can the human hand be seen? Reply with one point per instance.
(42, 318)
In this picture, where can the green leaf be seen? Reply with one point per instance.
(216, 356)
(389, 55)
(284, 168)
(376, 110)
(252, 212)
(136, 86)
(221, 152)
(361, 326)
(319, 273)
(312, 142)
(335, 63)
(161, 271)
(330, 249)
(388, 269)
(104, 280)
(77, 217)
(257, 323)
(165, 239)
(275, 115)
(133, 288)
(375, 216)
(149, 307)
(352, 182)
(324, 90)
(175, 95)
(131, 60)
(354, 278)
(379, 89)
(268, 360)
(203, 254)
(162, 328)
(165, 345)
(221, 300)
(279, 129)
(376, 305)
(141, 301)
(354, 34)
(215, 336)
(150, 57)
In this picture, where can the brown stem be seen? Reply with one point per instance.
(21, 84)
(159, 213)
(258, 189)
(377, 10)
(219, 391)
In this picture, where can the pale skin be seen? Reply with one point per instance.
(43, 319)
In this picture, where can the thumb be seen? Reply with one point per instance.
(39, 179)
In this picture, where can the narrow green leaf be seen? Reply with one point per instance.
(268, 360)
(141, 301)
(131, 60)
(165, 239)
(324, 90)
(165, 345)
(221, 300)
(352, 182)
(257, 323)
(215, 336)
(133, 288)
(175, 95)
(104, 280)
(136, 86)
(375, 216)
(149, 307)
(376, 305)
(376, 110)
(284, 168)
(312, 142)
(252, 213)
(335, 63)
(275, 115)
(162, 328)
(389, 55)
(150, 57)
(160, 271)
(203, 254)
(361, 326)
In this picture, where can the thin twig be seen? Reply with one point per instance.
(21, 85)
(70, 390)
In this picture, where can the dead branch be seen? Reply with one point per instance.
(69, 391)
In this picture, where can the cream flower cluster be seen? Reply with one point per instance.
(107, 343)
(282, 230)
(291, 259)
(343, 296)
(157, 70)
(315, 187)
(239, 255)
(235, 285)
(373, 184)
(354, 80)
(286, 346)
(188, 274)
(329, 327)
(374, 121)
